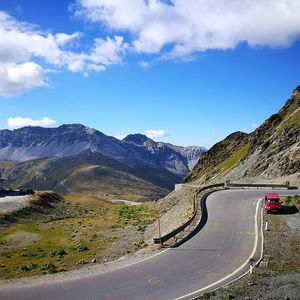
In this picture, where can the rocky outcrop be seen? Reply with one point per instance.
(178, 160)
(31, 143)
(272, 151)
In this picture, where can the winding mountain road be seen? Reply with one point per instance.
(219, 253)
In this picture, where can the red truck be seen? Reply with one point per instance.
(272, 202)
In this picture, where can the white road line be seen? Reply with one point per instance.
(238, 269)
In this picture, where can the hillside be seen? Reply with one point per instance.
(89, 172)
(78, 159)
(270, 153)
(30, 143)
(178, 160)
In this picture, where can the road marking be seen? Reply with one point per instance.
(238, 269)
(154, 280)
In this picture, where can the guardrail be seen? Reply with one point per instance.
(162, 239)
(226, 185)
(263, 185)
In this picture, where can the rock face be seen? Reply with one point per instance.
(30, 143)
(176, 159)
(272, 151)
(76, 159)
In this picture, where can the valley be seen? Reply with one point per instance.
(82, 214)
(77, 159)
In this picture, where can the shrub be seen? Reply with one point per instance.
(57, 253)
(139, 215)
(140, 244)
(31, 266)
(49, 268)
(82, 262)
(79, 248)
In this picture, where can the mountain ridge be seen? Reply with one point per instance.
(75, 158)
(30, 143)
(269, 153)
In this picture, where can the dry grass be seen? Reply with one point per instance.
(54, 243)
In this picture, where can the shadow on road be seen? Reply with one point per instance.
(199, 226)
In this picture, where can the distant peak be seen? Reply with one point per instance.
(77, 127)
(138, 139)
(74, 126)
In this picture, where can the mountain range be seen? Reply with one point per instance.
(76, 158)
(270, 153)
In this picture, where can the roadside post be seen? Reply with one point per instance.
(252, 263)
(159, 232)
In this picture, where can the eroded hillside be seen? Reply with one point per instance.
(271, 152)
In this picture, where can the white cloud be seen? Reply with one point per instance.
(18, 122)
(109, 51)
(18, 78)
(144, 65)
(254, 125)
(197, 25)
(22, 44)
(152, 134)
(63, 38)
(94, 67)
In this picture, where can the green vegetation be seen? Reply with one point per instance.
(54, 242)
(292, 201)
(206, 296)
(57, 253)
(291, 120)
(90, 173)
(79, 248)
(140, 244)
(221, 158)
(137, 215)
(232, 161)
(49, 268)
(290, 114)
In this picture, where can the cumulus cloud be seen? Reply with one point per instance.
(152, 134)
(187, 27)
(63, 38)
(19, 122)
(22, 44)
(17, 78)
(144, 65)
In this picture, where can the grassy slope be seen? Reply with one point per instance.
(87, 230)
(221, 158)
(275, 135)
(91, 173)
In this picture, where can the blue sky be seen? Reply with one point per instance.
(185, 72)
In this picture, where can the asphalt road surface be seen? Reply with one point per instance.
(220, 252)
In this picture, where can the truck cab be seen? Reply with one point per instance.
(272, 202)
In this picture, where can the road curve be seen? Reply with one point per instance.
(215, 256)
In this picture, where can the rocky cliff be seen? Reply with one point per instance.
(270, 153)
(178, 160)
(78, 159)
(31, 143)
